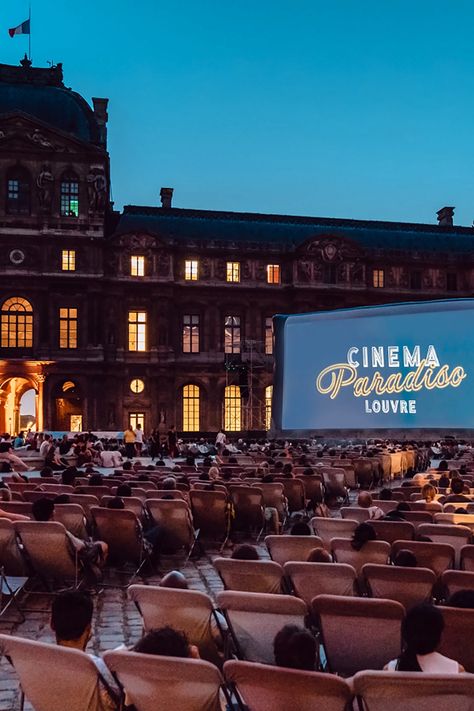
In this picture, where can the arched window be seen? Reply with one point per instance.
(70, 195)
(232, 409)
(191, 398)
(18, 191)
(17, 323)
(268, 406)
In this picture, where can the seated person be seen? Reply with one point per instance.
(295, 648)
(365, 501)
(301, 528)
(245, 551)
(405, 559)
(363, 533)
(319, 555)
(421, 631)
(385, 495)
(429, 495)
(456, 495)
(462, 598)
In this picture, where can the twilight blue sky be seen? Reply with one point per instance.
(332, 108)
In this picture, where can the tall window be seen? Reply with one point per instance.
(17, 323)
(268, 336)
(136, 330)
(137, 418)
(18, 192)
(190, 333)
(268, 406)
(378, 278)
(273, 273)
(70, 195)
(191, 269)
(68, 261)
(68, 328)
(232, 409)
(233, 271)
(232, 334)
(190, 408)
(415, 280)
(137, 265)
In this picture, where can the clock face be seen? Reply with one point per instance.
(137, 385)
(17, 256)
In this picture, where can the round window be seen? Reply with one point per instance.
(137, 386)
(17, 256)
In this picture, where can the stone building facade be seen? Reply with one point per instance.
(159, 314)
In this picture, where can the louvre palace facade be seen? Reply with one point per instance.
(160, 314)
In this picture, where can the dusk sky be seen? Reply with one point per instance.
(337, 108)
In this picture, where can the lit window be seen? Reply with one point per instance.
(232, 409)
(232, 334)
(17, 323)
(191, 408)
(137, 418)
(269, 336)
(75, 423)
(273, 273)
(233, 271)
(137, 265)
(68, 261)
(268, 406)
(70, 196)
(136, 330)
(190, 334)
(137, 386)
(68, 386)
(191, 269)
(18, 192)
(68, 328)
(378, 277)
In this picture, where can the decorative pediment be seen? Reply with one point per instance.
(139, 241)
(332, 248)
(19, 132)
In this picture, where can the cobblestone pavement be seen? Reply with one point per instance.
(116, 619)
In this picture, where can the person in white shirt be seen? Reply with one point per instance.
(45, 445)
(138, 439)
(221, 440)
(364, 501)
(110, 458)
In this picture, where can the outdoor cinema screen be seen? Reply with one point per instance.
(400, 366)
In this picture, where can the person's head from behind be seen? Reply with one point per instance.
(124, 490)
(68, 476)
(168, 484)
(96, 480)
(462, 598)
(405, 559)
(174, 579)
(428, 493)
(385, 495)
(71, 619)
(363, 533)
(62, 499)
(116, 502)
(457, 486)
(245, 552)
(295, 648)
(443, 466)
(126, 466)
(300, 528)
(166, 642)
(364, 500)
(43, 509)
(421, 632)
(46, 473)
(444, 481)
(319, 555)
(213, 473)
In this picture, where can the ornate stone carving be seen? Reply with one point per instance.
(220, 270)
(205, 268)
(304, 271)
(44, 186)
(246, 270)
(332, 249)
(97, 191)
(138, 241)
(39, 139)
(163, 264)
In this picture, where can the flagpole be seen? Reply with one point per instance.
(29, 36)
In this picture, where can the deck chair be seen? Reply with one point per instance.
(467, 558)
(13, 569)
(123, 533)
(386, 506)
(294, 492)
(358, 633)
(87, 501)
(407, 586)
(372, 552)
(335, 484)
(284, 548)
(438, 557)
(311, 579)
(73, 519)
(188, 610)
(391, 531)
(167, 494)
(175, 519)
(260, 576)
(455, 519)
(211, 514)
(154, 683)
(355, 513)
(98, 491)
(455, 580)
(329, 528)
(49, 551)
(400, 691)
(274, 495)
(267, 688)
(53, 678)
(454, 535)
(255, 618)
(457, 635)
(132, 503)
(418, 517)
(32, 496)
(18, 507)
(249, 508)
(364, 472)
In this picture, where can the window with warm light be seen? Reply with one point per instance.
(137, 386)
(232, 334)
(273, 273)
(191, 408)
(137, 418)
(268, 406)
(136, 330)
(68, 328)
(269, 336)
(190, 333)
(378, 278)
(232, 409)
(17, 323)
(191, 269)
(68, 260)
(233, 272)
(137, 265)
(75, 423)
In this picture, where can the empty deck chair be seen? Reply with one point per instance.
(262, 576)
(311, 579)
(248, 508)
(457, 635)
(391, 531)
(453, 535)
(211, 514)
(408, 586)
(285, 548)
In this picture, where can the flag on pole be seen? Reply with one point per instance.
(23, 29)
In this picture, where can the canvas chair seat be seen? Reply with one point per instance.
(313, 487)
(285, 548)
(48, 549)
(458, 633)
(73, 519)
(25, 508)
(294, 492)
(391, 531)
(455, 519)
(311, 579)
(454, 535)
(261, 576)
(455, 580)
(274, 496)
(248, 508)
(435, 556)
(175, 518)
(211, 513)
(87, 501)
(467, 558)
(329, 528)
(131, 503)
(408, 586)
(371, 552)
(356, 513)
(122, 532)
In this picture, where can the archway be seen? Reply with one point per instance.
(18, 397)
(69, 407)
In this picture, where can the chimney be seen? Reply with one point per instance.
(445, 216)
(166, 195)
(101, 116)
